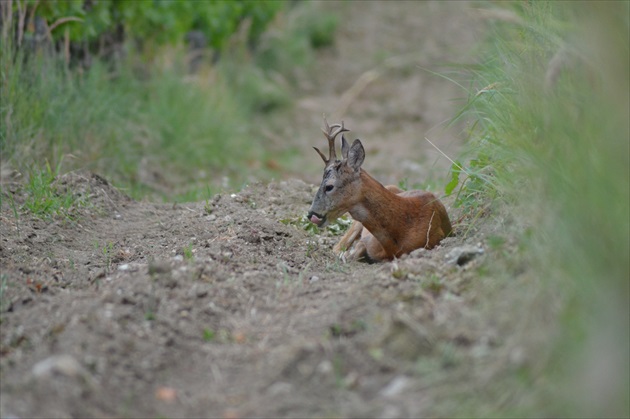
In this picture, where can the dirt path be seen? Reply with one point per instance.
(378, 79)
(220, 309)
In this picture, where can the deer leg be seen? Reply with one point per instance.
(348, 239)
(358, 252)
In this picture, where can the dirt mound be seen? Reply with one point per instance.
(214, 308)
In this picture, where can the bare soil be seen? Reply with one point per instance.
(221, 309)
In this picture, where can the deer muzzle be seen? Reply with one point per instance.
(316, 219)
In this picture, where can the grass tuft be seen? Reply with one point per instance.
(44, 200)
(550, 145)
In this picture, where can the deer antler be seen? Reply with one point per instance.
(330, 132)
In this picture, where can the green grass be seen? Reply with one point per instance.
(208, 335)
(550, 145)
(150, 127)
(4, 284)
(146, 135)
(188, 252)
(44, 199)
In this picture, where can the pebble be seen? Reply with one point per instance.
(395, 387)
(279, 387)
(160, 267)
(463, 254)
(60, 364)
(166, 394)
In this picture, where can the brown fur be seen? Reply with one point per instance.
(390, 222)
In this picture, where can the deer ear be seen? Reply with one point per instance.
(356, 155)
(344, 147)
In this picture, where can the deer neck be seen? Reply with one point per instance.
(379, 210)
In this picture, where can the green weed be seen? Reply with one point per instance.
(337, 266)
(16, 214)
(4, 280)
(107, 252)
(44, 200)
(188, 252)
(208, 335)
(338, 365)
(403, 184)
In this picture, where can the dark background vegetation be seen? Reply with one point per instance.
(114, 87)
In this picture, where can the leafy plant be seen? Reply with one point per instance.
(150, 22)
(336, 228)
(473, 182)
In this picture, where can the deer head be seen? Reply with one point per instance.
(341, 185)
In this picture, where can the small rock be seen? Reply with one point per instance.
(517, 357)
(58, 364)
(351, 380)
(166, 394)
(395, 387)
(279, 387)
(230, 414)
(463, 254)
(159, 267)
(325, 367)
(391, 412)
(406, 339)
(418, 253)
(314, 278)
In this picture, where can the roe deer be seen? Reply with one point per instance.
(388, 222)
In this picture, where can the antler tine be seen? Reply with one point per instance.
(331, 133)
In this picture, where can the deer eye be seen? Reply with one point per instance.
(329, 188)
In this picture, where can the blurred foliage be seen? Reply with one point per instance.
(163, 21)
(110, 86)
(549, 144)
